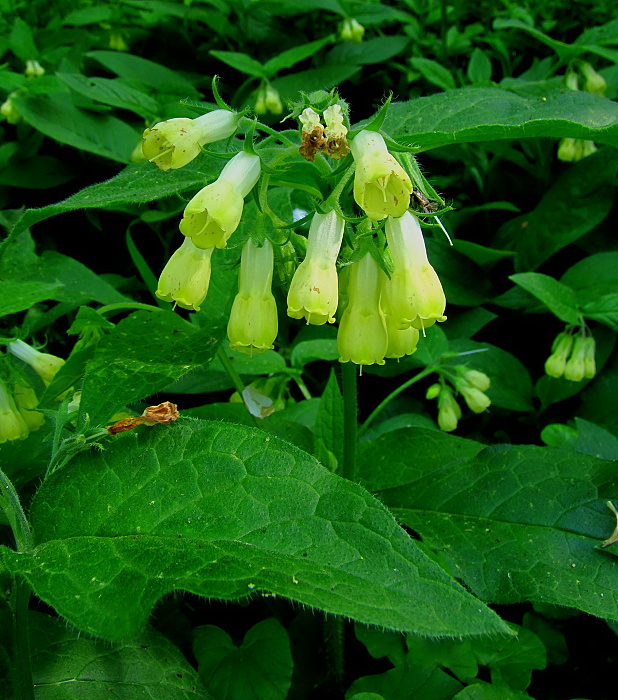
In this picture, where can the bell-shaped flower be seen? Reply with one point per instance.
(381, 186)
(186, 276)
(351, 30)
(400, 342)
(26, 401)
(12, 424)
(561, 350)
(362, 336)
(417, 296)
(44, 364)
(449, 411)
(313, 293)
(336, 145)
(476, 399)
(575, 368)
(252, 326)
(590, 367)
(213, 215)
(174, 143)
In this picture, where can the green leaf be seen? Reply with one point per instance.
(57, 117)
(372, 51)
(17, 296)
(144, 353)
(328, 429)
(479, 690)
(577, 202)
(585, 437)
(593, 277)
(226, 512)
(520, 523)
(479, 67)
(600, 400)
(88, 15)
(464, 282)
(112, 92)
(557, 297)
(291, 57)
(311, 350)
(37, 173)
(314, 79)
(241, 62)
(482, 114)
(261, 667)
(21, 40)
(433, 72)
(68, 664)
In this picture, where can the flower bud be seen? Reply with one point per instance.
(174, 143)
(590, 368)
(434, 391)
(186, 277)
(362, 336)
(575, 367)
(213, 215)
(449, 411)
(477, 400)
(9, 111)
(44, 364)
(33, 69)
(351, 31)
(476, 379)
(561, 349)
(313, 294)
(252, 326)
(594, 82)
(415, 290)
(12, 424)
(381, 186)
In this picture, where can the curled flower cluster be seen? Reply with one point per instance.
(392, 293)
(572, 357)
(471, 385)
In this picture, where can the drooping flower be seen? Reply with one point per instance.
(575, 368)
(186, 276)
(400, 342)
(594, 82)
(174, 143)
(213, 215)
(312, 134)
(449, 411)
(362, 336)
(336, 145)
(252, 326)
(352, 31)
(561, 349)
(313, 293)
(415, 291)
(268, 100)
(381, 186)
(12, 424)
(590, 367)
(26, 401)
(44, 364)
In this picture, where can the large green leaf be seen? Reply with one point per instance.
(142, 355)
(516, 523)
(68, 665)
(226, 512)
(484, 114)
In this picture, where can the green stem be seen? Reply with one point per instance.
(383, 404)
(236, 381)
(350, 420)
(9, 502)
(122, 306)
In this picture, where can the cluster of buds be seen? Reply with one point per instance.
(471, 385)
(18, 400)
(572, 150)
(267, 100)
(572, 357)
(351, 31)
(391, 292)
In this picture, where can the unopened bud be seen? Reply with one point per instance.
(352, 31)
(449, 411)
(561, 349)
(476, 379)
(434, 391)
(33, 69)
(590, 368)
(594, 82)
(575, 367)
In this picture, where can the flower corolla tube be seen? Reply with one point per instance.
(44, 364)
(252, 326)
(416, 294)
(213, 215)
(362, 336)
(186, 276)
(401, 342)
(314, 292)
(381, 186)
(12, 424)
(174, 143)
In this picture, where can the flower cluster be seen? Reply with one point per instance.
(572, 357)
(471, 385)
(389, 293)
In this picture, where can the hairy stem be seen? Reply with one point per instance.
(350, 421)
(236, 380)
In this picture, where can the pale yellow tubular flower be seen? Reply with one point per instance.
(400, 342)
(362, 336)
(449, 411)
(186, 276)
(561, 349)
(351, 31)
(590, 367)
(174, 143)
(575, 368)
(252, 327)
(381, 186)
(12, 424)
(313, 293)
(44, 364)
(415, 290)
(26, 400)
(213, 215)
(336, 145)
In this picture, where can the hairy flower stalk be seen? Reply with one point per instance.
(213, 215)
(44, 364)
(12, 424)
(314, 293)
(381, 186)
(415, 291)
(252, 326)
(362, 336)
(174, 143)
(186, 276)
